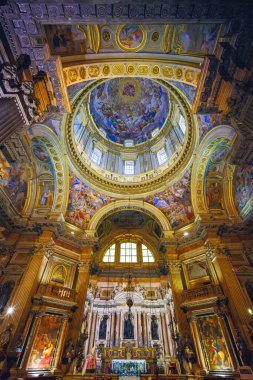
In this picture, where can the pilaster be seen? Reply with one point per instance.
(42, 250)
(177, 289)
(81, 288)
(231, 286)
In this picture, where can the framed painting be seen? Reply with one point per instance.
(214, 345)
(45, 343)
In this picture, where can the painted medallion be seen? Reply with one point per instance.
(131, 37)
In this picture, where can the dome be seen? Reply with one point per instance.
(129, 108)
(130, 135)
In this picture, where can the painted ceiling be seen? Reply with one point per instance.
(129, 108)
(191, 39)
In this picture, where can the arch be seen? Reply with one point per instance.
(48, 140)
(142, 206)
(220, 136)
(186, 72)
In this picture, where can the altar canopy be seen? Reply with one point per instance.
(128, 367)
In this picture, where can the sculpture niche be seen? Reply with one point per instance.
(103, 327)
(154, 328)
(128, 328)
(5, 293)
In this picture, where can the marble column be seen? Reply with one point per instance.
(144, 325)
(140, 336)
(86, 351)
(92, 332)
(168, 321)
(81, 288)
(112, 335)
(117, 340)
(165, 336)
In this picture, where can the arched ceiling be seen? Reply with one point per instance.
(115, 70)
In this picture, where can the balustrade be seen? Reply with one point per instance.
(204, 291)
(50, 290)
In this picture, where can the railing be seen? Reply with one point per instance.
(55, 291)
(204, 291)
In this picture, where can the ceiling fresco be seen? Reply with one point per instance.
(189, 39)
(243, 186)
(175, 202)
(129, 108)
(188, 90)
(207, 122)
(83, 202)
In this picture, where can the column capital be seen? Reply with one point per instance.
(175, 266)
(44, 245)
(84, 265)
(213, 251)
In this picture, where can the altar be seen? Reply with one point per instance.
(128, 367)
(128, 359)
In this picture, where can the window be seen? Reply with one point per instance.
(154, 132)
(102, 131)
(182, 124)
(129, 167)
(128, 143)
(147, 256)
(162, 156)
(128, 253)
(96, 156)
(109, 256)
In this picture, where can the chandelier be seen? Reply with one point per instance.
(129, 289)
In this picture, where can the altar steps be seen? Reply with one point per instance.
(150, 377)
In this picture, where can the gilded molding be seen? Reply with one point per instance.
(181, 71)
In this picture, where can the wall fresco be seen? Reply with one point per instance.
(175, 202)
(129, 108)
(14, 179)
(243, 185)
(214, 177)
(64, 39)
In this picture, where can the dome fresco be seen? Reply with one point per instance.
(129, 108)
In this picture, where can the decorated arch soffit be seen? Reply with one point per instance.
(136, 205)
(211, 192)
(52, 172)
